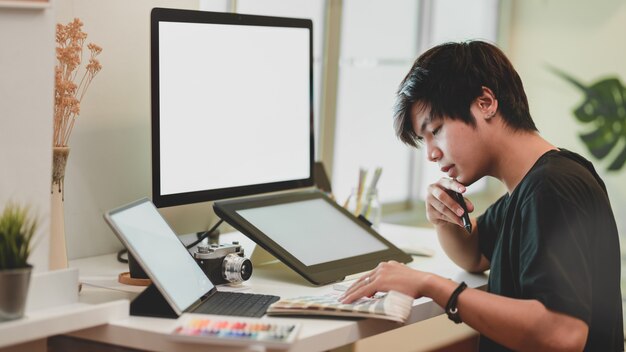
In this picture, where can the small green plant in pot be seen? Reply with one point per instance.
(17, 229)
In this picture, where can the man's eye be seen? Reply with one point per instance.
(436, 130)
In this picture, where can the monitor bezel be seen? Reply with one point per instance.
(192, 16)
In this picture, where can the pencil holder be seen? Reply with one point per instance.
(367, 204)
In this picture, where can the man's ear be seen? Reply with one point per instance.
(487, 103)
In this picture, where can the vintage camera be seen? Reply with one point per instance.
(224, 263)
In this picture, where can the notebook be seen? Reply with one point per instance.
(178, 284)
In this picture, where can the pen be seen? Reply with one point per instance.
(467, 224)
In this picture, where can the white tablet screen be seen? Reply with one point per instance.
(313, 231)
(161, 253)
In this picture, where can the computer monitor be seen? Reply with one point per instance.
(232, 105)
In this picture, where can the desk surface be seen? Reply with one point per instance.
(316, 333)
(52, 308)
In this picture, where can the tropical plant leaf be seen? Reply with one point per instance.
(604, 108)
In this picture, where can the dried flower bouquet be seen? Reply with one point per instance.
(70, 85)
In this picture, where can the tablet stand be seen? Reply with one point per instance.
(150, 303)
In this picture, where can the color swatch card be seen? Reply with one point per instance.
(217, 330)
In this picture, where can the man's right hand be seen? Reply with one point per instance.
(441, 207)
(443, 211)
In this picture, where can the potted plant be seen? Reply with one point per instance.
(17, 228)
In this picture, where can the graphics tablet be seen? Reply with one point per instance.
(310, 233)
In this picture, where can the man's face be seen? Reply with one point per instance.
(454, 145)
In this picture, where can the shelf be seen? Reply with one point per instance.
(25, 4)
(60, 320)
(52, 308)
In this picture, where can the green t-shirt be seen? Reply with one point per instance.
(554, 239)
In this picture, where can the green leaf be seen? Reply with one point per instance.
(604, 109)
(17, 229)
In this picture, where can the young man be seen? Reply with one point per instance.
(550, 242)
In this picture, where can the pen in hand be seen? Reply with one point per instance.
(458, 197)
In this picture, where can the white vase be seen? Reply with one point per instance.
(58, 249)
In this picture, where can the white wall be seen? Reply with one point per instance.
(586, 40)
(26, 109)
(110, 158)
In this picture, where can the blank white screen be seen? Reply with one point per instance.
(164, 256)
(313, 231)
(234, 105)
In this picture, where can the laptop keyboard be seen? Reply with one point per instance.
(237, 304)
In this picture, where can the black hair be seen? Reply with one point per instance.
(449, 77)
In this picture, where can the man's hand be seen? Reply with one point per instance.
(387, 276)
(441, 207)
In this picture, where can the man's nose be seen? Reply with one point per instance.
(433, 153)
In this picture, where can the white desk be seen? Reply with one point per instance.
(316, 333)
(53, 308)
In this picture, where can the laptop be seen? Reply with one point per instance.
(178, 284)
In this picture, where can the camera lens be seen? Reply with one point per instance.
(236, 269)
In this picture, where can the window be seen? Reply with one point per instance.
(380, 39)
